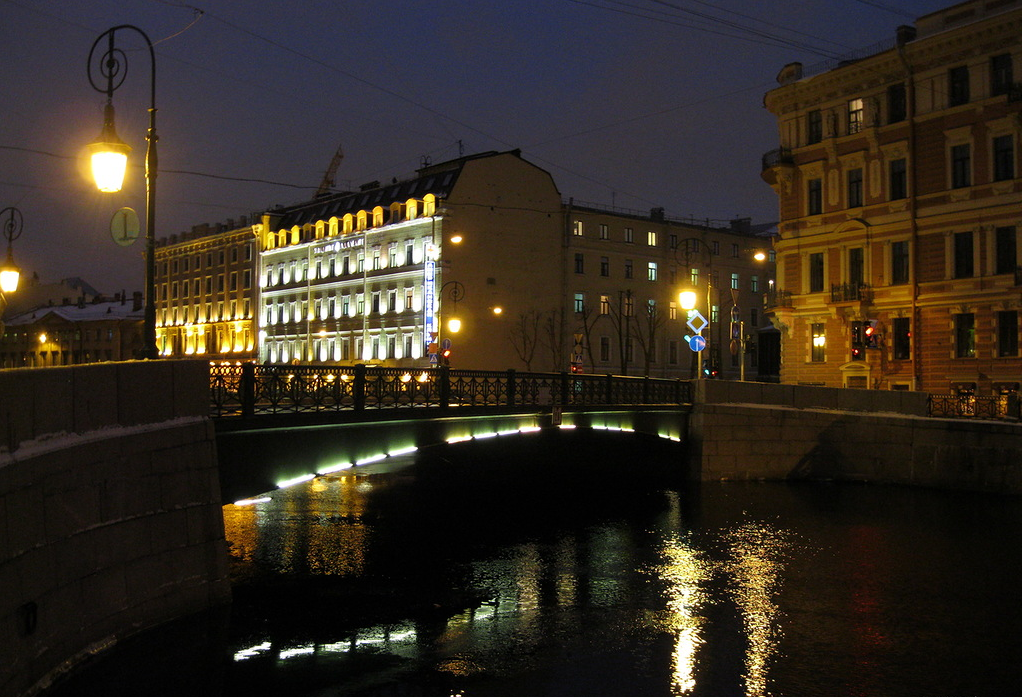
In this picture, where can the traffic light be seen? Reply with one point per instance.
(858, 342)
(445, 356)
(871, 330)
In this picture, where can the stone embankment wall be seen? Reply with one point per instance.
(110, 516)
(758, 431)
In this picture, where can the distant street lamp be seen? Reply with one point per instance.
(10, 274)
(110, 158)
(456, 292)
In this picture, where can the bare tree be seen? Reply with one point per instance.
(647, 326)
(555, 328)
(621, 319)
(525, 336)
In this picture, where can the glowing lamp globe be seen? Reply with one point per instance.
(454, 325)
(687, 299)
(10, 274)
(109, 155)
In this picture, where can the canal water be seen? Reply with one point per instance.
(581, 568)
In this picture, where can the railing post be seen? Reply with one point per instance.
(511, 387)
(444, 386)
(358, 389)
(645, 389)
(609, 383)
(246, 389)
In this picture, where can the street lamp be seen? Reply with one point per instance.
(110, 157)
(10, 274)
(456, 293)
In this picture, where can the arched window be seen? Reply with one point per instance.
(360, 220)
(378, 216)
(411, 209)
(429, 205)
(395, 212)
(347, 223)
(320, 229)
(332, 230)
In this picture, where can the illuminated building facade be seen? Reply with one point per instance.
(206, 292)
(900, 206)
(376, 276)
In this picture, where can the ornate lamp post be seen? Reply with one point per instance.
(10, 274)
(456, 292)
(688, 301)
(110, 158)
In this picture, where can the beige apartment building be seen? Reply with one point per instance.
(900, 205)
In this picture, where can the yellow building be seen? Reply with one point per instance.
(900, 204)
(206, 292)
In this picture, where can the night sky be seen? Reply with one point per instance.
(634, 103)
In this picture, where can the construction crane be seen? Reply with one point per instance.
(328, 177)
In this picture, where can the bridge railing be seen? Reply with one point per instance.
(971, 406)
(249, 389)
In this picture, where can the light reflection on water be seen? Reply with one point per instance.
(538, 596)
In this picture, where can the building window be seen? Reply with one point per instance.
(896, 103)
(814, 197)
(1004, 158)
(651, 271)
(672, 310)
(899, 263)
(735, 250)
(628, 268)
(897, 180)
(754, 284)
(604, 231)
(735, 281)
(604, 348)
(580, 263)
(961, 166)
(604, 266)
(816, 272)
(902, 338)
(965, 335)
(580, 302)
(576, 228)
(854, 187)
(958, 85)
(604, 304)
(1005, 249)
(672, 352)
(819, 343)
(629, 305)
(963, 255)
(856, 264)
(1000, 74)
(1007, 333)
(651, 239)
(694, 277)
(814, 126)
(855, 113)
(715, 247)
(629, 235)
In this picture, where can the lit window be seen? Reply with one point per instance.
(735, 281)
(651, 271)
(576, 228)
(580, 302)
(651, 238)
(604, 304)
(855, 114)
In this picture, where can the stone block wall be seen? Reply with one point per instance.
(110, 517)
(747, 441)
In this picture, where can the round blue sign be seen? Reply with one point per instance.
(697, 343)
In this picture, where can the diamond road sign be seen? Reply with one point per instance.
(696, 321)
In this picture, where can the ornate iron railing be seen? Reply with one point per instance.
(973, 407)
(249, 389)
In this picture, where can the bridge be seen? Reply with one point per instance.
(281, 425)
(348, 417)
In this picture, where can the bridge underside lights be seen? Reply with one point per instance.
(346, 464)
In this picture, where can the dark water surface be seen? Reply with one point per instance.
(519, 574)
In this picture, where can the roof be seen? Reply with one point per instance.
(438, 179)
(104, 311)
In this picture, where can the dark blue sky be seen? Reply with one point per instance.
(637, 103)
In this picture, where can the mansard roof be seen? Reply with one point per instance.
(438, 179)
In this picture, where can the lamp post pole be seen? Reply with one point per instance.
(10, 274)
(457, 292)
(112, 65)
(710, 343)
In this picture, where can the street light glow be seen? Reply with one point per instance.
(687, 299)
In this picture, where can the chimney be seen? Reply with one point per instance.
(905, 33)
(136, 301)
(656, 214)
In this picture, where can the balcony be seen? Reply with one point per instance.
(775, 298)
(850, 293)
(778, 166)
